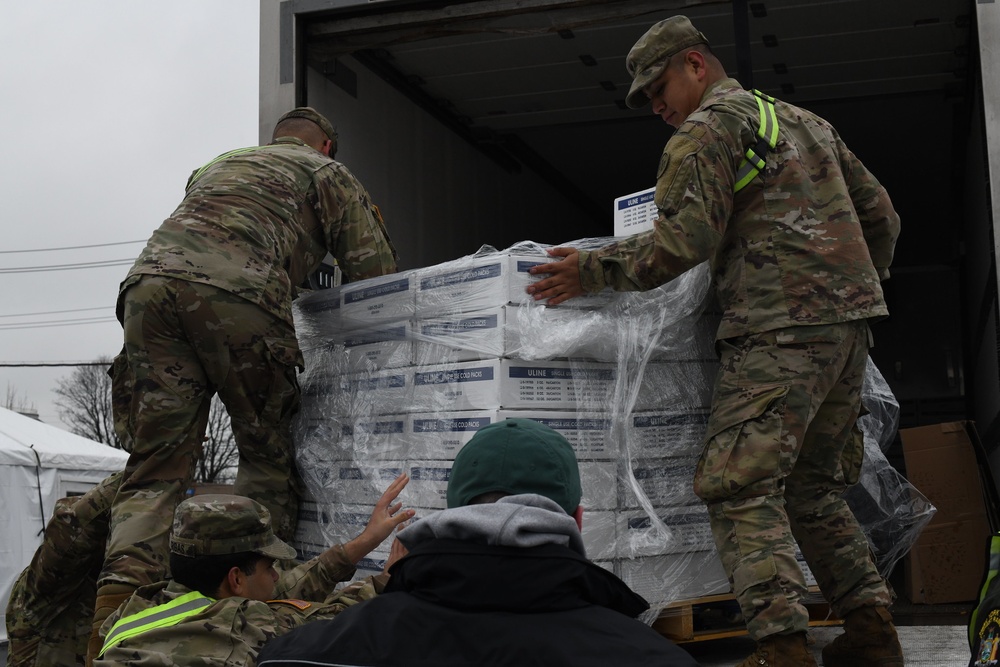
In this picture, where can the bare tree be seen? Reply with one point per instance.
(219, 456)
(85, 402)
(19, 403)
(85, 406)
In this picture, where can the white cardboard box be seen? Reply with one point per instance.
(441, 435)
(635, 213)
(388, 391)
(389, 346)
(510, 383)
(477, 283)
(367, 303)
(687, 529)
(672, 577)
(599, 534)
(665, 481)
(587, 432)
(456, 337)
(667, 433)
(516, 331)
(474, 283)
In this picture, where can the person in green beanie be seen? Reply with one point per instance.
(499, 578)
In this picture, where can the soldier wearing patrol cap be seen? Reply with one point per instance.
(799, 235)
(219, 607)
(206, 309)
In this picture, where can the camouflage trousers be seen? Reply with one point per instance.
(185, 342)
(51, 605)
(781, 447)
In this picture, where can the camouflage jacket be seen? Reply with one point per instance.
(231, 631)
(257, 221)
(806, 242)
(51, 605)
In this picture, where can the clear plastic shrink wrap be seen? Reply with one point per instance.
(401, 371)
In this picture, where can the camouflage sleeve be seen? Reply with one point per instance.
(879, 220)
(316, 579)
(694, 198)
(354, 229)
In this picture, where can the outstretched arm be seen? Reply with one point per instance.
(385, 517)
(315, 579)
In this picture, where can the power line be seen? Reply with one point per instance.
(68, 267)
(73, 247)
(47, 324)
(56, 312)
(50, 364)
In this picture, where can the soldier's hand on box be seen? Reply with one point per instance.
(386, 516)
(563, 281)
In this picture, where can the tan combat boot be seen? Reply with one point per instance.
(781, 651)
(869, 640)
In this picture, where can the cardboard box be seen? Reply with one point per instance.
(456, 337)
(673, 577)
(507, 383)
(948, 561)
(476, 283)
(667, 433)
(441, 435)
(389, 346)
(587, 432)
(388, 391)
(599, 534)
(370, 302)
(635, 213)
(664, 481)
(687, 529)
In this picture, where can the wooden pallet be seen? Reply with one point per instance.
(718, 616)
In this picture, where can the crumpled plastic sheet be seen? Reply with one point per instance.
(402, 370)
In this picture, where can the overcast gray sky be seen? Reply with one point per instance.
(107, 106)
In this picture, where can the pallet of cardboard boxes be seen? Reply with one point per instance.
(401, 371)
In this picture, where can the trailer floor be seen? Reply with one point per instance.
(931, 635)
(925, 644)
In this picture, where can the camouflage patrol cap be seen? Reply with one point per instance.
(516, 456)
(650, 55)
(312, 115)
(217, 524)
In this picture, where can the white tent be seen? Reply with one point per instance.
(39, 464)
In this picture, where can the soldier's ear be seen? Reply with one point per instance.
(235, 584)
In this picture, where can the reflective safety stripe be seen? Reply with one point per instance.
(160, 616)
(205, 167)
(767, 138)
(991, 574)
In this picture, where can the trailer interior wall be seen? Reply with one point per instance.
(984, 187)
(441, 198)
(979, 284)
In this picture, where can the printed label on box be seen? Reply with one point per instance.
(635, 213)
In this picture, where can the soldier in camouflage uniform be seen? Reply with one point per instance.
(219, 608)
(798, 249)
(207, 309)
(51, 605)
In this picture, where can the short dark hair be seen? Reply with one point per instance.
(488, 497)
(304, 129)
(205, 574)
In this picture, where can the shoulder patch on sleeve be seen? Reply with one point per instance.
(301, 605)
